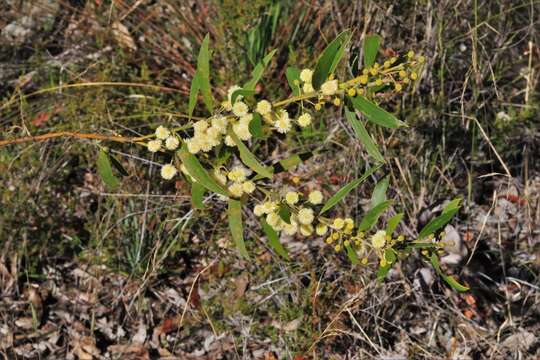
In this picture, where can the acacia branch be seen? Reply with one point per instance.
(53, 135)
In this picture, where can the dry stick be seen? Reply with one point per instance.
(77, 135)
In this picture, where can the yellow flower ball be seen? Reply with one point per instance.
(291, 197)
(321, 229)
(306, 216)
(338, 223)
(162, 132)
(378, 240)
(248, 186)
(264, 107)
(315, 197)
(172, 143)
(154, 145)
(351, 92)
(330, 87)
(306, 75)
(304, 120)
(236, 189)
(306, 230)
(168, 171)
(240, 109)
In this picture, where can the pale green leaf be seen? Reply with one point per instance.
(193, 93)
(363, 135)
(379, 192)
(338, 196)
(435, 224)
(329, 59)
(371, 47)
(248, 158)
(374, 113)
(197, 195)
(199, 173)
(235, 226)
(273, 240)
(293, 78)
(104, 170)
(449, 279)
(351, 254)
(257, 73)
(393, 223)
(203, 69)
(370, 218)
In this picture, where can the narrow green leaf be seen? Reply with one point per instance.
(435, 224)
(393, 223)
(255, 126)
(371, 217)
(248, 158)
(363, 136)
(371, 47)
(284, 213)
(374, 113)
(379, 192)
(390, 256)
(329, 59)
(199, 173)
(449, 279)
(235, 226)
(193, 93)
(338, 196)
(293, 76)
(273, 240)
(197, 195)
(353, 257)
(104, 170)
(203, 69)
(244, 92)
(257, 73)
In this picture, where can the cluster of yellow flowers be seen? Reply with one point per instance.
(238, 181)
(301, 217)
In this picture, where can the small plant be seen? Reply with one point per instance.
(215, 153)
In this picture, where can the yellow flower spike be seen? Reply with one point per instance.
(410, 54)
(365, 71)
(337, 101)
(351, 92)
(378, 240)
(321, 229)
(360, 91)
(346, 243)
(292, 197)
(398, 87)
(318, 106)
(378, 82)
(386, 64)
(335, 236)
(402, 74)
(337, 247)
(364, 261)
(373, 71)
(413, 76)
(329, 240)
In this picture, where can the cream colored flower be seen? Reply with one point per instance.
(258, 210)
(304, 120)
(248, 187)
(241, 129)
(378, 240)
(306, 230)
(291, 197)
(330, 87)
(172, 143)
(306, 75)
(231, 91)
(220, 123)
(168, 171)
(283, 123)
(154, 145)
(290, 229)
(162, 132)
(315, 197)
(274, 220)
(237, 174)
(236, 189)
(305, 216)
(338, 223)
(308, 88)
(220, 177)
(229, 141)
(269, 206)
(200, 126)
(193, 145)
(264, 107)
(240, 109)
(321, 229)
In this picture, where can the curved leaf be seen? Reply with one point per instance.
(257, 73)
(371, 217)
(435, 224)
(346, 189)
(273, 240)
(329, 59)
(393, 223)
(203, 69)
(197, 195)
(351, 254)
(193, 92)
(199, 173)
(371, 47)
(104, 170)
(363, 135)
(374, 113)
(248, 158)
(235, 226)
(293, 75)
(379, 193)
(449, 279)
